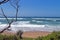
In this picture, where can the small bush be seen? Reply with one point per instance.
(39, 38)
(52, 36)
(5, 37)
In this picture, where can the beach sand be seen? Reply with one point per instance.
(29, 34)
(35, 34)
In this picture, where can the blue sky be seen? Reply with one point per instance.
(40, 8)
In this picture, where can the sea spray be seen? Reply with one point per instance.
(32, 24)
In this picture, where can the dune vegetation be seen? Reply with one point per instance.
(52, 36)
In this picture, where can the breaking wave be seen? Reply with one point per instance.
(32, 24)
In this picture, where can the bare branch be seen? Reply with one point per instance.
(16, 7)
(4, 15)
(12, 5)
(9, 23)
(4, 1)
(5, 29)
(16, 12)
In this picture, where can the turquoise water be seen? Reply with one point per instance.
(52, 21)
(50, 24)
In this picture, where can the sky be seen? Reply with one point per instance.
(32, 8)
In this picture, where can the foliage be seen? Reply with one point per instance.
(52, 36)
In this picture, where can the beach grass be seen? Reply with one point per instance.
(52, 36)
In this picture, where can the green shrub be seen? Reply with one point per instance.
(52, 36)
(39, 38)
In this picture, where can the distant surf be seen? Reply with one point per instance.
(32, 24)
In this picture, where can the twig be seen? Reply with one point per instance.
(4, 15)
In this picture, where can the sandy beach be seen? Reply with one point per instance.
(29, 34)
(35, 34)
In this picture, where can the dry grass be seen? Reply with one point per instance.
(29, 34)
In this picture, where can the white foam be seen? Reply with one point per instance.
(28, 25)
(21, 22)
(19, 25)
(3, 25)
(39, 21)
(34, 20)
(25, 24)
(24, 27)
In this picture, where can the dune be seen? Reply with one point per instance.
(29, 34)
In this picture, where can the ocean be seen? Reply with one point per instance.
(32, 24)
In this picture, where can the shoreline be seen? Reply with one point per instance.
(29, 34)
(35, 34)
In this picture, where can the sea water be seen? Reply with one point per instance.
(32, 24)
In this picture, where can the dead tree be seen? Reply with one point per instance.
(3, 1)
(16, 8)
(15, 5)
(19, 33)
